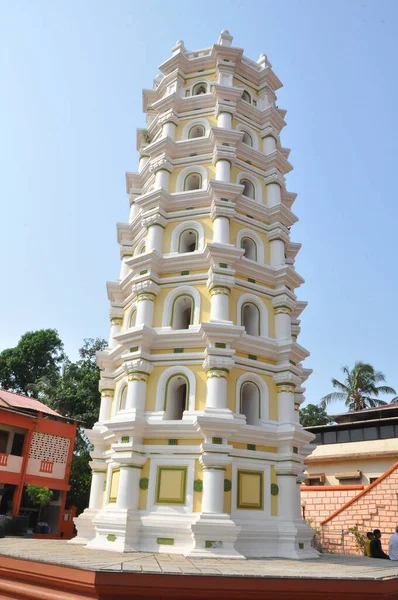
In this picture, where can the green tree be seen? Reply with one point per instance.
(37, 357)
(359, 389)
(39, 496)
(312, 415)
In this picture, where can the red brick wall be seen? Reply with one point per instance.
(376, 507)
(322, 501)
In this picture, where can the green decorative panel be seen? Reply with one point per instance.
(144, 482)
(301, 546)
(216, 440)
(252, 356)
(125, 439)
(178, 350)
(135, 349)
(198, 485)
(184, 272)
(111, 537)
(220, 345)
(165, 541)
(295, 450)
(250, 280)
(274, 489)
(251, 446)
(143, 272)
(224, 265)
(227, 485)
(173, 442)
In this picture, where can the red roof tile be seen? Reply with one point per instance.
(12, 400)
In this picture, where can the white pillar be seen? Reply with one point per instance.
(169, 130)
(216, 393)
(105, 406)
(277, 252)
(224, 120)
(142, 163)
(273, 194)
(269, 145)
(213, 490)
(283, 327)
(129, 487)
(286, 412)
(162, 179)
(136, 391)
(97, 489)
(219, 304)
(288, 504)
(154, 239)
(124, 268)
(134, 211)
(145, 305)
(116, 325)
(221, 230)
(223, 170)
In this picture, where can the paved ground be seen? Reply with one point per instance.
(328, 566)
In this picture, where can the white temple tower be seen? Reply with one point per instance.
(198, 448)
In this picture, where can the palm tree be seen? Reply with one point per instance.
(360, 389)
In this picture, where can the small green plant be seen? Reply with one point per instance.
(145, 136)
(360, 538)
(39, 496)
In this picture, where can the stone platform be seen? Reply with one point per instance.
(55, 570)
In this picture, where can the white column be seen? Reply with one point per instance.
(162, 179)
(145, 305)
(129, 487)
(106, 406)
(283, 327)
(269, 145)
(219, 304)
(169, 130)
(286, 412)
(97, 490)
(136, 391)
(223, 170)
(216, 393)
(224, 120)
(277, 252)
(134, 210)
(213, 490)
(221, 230)
(155, 238)
(273, 194)
(124, 269)
(142, 163)
(116, 325)
(288, 504)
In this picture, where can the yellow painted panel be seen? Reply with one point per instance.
(191, 79)
(259, 358)
(250, 488)
(201, 385)
(234, 175)
(144, 493)
(236, 227)
(274, 499)
(243, 446)
(170, 485)
(236, 122)
(197, 496)
(178, 273)
(170, 350)
(246, 86)
(171, 225)
(114, 485)
(267, 448)
(228, 495)
(165, 442)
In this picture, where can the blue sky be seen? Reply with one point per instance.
(71, 78)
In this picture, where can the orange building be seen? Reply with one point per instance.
(36, 446)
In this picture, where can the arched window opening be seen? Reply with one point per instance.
(176, 398)
(123, 398)
(250, 248)
(193, 182)
(250, 403)
(188, 241)
(248, 188)
(247, 139)
(196, 131)
(251, 318)
(246, 97)
(133, 318)
(199, 88)
(182, 312)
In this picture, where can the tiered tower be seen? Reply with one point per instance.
(198, 448)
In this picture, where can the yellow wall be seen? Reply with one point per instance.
(250, 489)
(272, 393)
(236, 227)
(201, 384)
(211, 118)
(235, 172)
(115, 476)
(228, 495)
(233, 307)
(171, 225)
(204, 315)
(211, 172)
(236, 122)
(243, 84)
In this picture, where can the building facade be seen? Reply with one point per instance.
(197, 449)
(36, 447)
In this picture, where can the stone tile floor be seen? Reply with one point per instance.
(328, 566)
